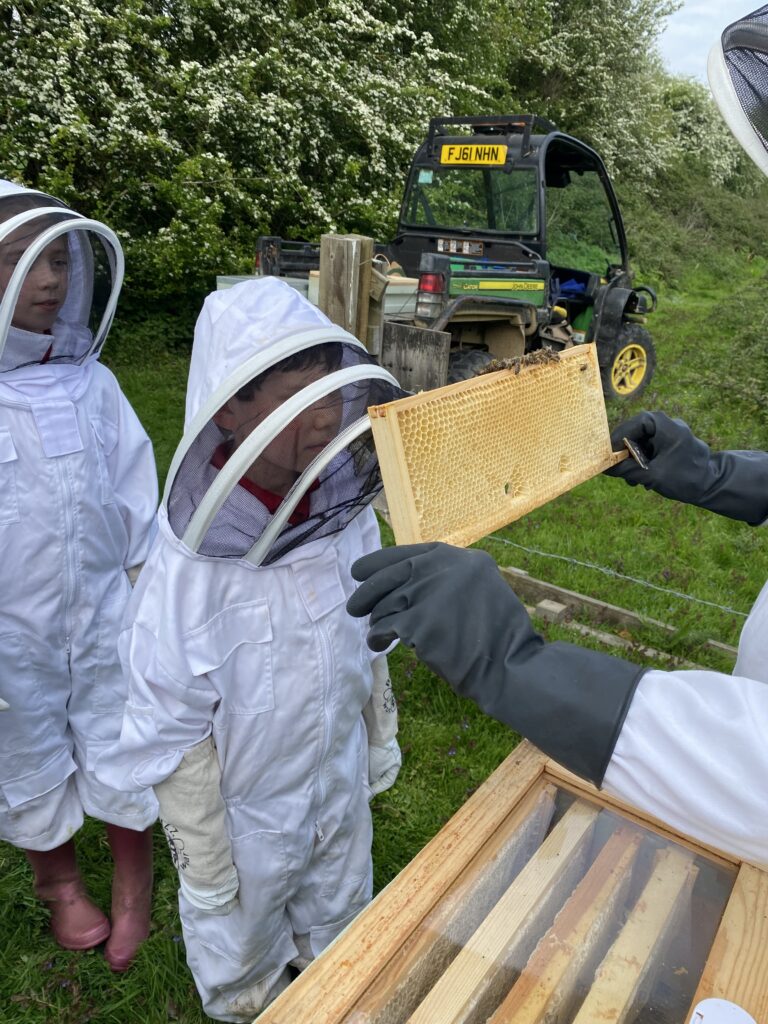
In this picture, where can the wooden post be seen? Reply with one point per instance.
(376, 295)
(418, 358)
(363, 288)
(345, 281)
(339, 272)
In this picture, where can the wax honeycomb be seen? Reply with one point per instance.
(464, 460)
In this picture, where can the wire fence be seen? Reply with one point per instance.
(618, 575)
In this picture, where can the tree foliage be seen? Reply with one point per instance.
(595, 70)
(192, 126)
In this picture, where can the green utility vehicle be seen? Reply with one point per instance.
(516, 235)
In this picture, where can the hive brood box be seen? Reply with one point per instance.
(464, 460)
(543, 900)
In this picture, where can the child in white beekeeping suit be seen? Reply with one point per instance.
(78, 492)
(250, 688)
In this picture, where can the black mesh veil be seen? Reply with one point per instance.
(286, 458)
(738, 76)
(60, 276)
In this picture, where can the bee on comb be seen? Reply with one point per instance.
(535, 358)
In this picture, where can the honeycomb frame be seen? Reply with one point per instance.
(464, 460)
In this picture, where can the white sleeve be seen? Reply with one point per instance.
(131, 466)
(693, 752)
(167, 712)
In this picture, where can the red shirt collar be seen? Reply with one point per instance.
(269, 499)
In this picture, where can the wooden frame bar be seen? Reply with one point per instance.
(545, 988)
(591, 946)
(464, 460)
(634, 956)
(442, 934)
(476, 979)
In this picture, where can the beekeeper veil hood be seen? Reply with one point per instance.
(738, 77)
(60, 277)
(277, 449)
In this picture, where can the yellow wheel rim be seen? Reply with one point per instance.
(629, 369)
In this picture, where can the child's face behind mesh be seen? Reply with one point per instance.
(45, 285)
(289, 454)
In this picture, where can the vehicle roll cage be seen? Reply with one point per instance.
(537, 137)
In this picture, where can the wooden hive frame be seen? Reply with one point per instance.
(389, 965)
(464, 460)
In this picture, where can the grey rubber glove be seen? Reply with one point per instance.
(682, 467)
(454, 609)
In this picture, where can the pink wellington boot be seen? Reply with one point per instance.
(131, 894)
(76, 922)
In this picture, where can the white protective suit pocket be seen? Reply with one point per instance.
(27, 726)
(108, 692)
(256, 924)
(9, 502)
(21, 792)
(234, 650)
(105, 436)
(93, 751)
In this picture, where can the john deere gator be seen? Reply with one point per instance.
(515, 234)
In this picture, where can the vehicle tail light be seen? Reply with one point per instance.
(429, 301)
(432, 283)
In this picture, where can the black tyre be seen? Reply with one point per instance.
(630, 368)
(465, 363)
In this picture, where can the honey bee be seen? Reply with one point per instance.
(537, 358)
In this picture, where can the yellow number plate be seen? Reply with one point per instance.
(471, 154)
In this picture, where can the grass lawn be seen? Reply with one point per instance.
(712, 372)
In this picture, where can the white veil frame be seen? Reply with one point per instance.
(247, 371)
(748, 34)
(229, 476)
(271, 532)
(69, 221)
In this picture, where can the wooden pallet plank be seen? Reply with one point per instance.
(533, 590)
(332, 984)
(737, 966)
(438, 939)
(476, 979)
(417, 357)
(624, 976)
(546, 989)
(529, 588)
